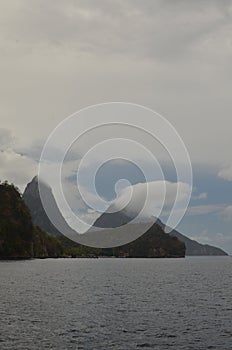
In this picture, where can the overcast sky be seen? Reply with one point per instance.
(172, 56)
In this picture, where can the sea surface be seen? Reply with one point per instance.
(116, 304)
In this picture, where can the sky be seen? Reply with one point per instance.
(171, 56)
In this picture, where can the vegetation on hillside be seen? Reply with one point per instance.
(16, 228)
(19, 238)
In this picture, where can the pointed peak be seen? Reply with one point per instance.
(35, 179)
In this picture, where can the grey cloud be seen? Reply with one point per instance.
(6, 139)
(153, 29)
(16, 168)
(34, 150)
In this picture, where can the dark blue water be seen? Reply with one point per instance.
(116, 304)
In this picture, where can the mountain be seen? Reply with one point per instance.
(196, 249)
(32, 199)
(154, 243)
(106, 220)
(112, 220)
(19, 238)
(193, 248)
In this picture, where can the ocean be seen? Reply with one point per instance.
(121, 304)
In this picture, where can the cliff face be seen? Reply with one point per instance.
(19, 238)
